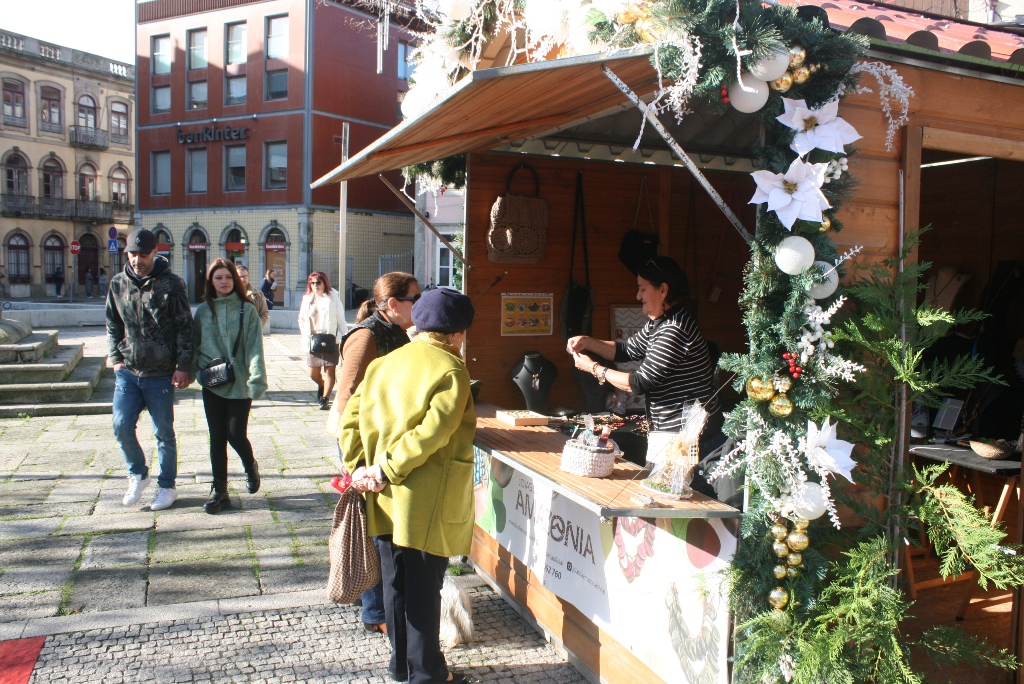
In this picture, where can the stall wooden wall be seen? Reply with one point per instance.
(692, 230)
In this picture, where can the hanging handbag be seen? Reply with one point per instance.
(355, 564)
(220, 371)
(519, 225)
(638, 247)
(322, 343)
(578, 302)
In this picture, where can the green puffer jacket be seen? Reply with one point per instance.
(413, 415)
(215, 337)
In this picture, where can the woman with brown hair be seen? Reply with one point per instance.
(227, 328)
(322, 313)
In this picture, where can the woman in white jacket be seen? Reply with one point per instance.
(322, 312)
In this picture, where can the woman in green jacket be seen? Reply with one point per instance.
(409, 447)
(225, 317)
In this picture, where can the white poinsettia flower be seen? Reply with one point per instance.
(825, 452)
(795, 194)
(817, 128)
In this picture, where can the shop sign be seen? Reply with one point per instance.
(211, 134)
(275, 246)
(234, 246)
(197, 247)
(163, 248)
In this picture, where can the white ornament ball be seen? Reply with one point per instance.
(415, 101)
(772, 66)
(458, 10)
(748, 102)
(794, 254)
(827, 287)
(811, 504)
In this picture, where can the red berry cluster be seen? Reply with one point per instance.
(725, 93)
(794, 369)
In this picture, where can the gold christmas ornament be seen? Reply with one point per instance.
(779, 530)
(797, 55)
(801, 523)
(781, 571)
(781, 549)
(782, 83)
(791, 572)
(760, 389)
(801, 74)
(781, 406)
(826, 224)
(783, 383)
(798, 540)
(778, 597)
(794, 559)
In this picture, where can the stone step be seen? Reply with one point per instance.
(30, 349)
(59, 363)
(76, 389)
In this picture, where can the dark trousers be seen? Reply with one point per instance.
(412, 601)
(228, 420)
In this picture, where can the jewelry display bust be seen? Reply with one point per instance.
(535, 376)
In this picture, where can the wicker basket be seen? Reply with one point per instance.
(991, 450)
(588, 461)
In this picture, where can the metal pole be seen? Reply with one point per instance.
(70, 280)
(895, 494)
(680, 152)
(343, 221)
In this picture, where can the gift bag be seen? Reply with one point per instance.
(519, 225)
(355, 565)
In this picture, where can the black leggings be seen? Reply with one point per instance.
(228, 420)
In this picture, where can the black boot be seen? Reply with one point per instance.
(319, 392)
(252, 477)
(218, 497)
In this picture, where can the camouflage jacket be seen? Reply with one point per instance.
(149, 322)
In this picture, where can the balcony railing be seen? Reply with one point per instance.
(122, 213)
(83, 136)
(51, 127)
(92, 209)
(56, 207)
(19, 205)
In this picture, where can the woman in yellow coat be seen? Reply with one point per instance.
(407, 435)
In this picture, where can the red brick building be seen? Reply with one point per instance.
(241, 104)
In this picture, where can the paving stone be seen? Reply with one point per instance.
(194, 544)
(107, 550)
(303, 517)
(201, 580)
(311, 535)
(34, 527)
(10, 510)
(98, 589)
(317, 554)
(29, 606)
(296, 500)
(270, 536)
(75, 490)
(26, 579)
(293, 579)
(125, 522)
(276, 559)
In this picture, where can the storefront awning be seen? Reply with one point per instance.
(490, 107)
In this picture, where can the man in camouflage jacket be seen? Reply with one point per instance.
(149, 341)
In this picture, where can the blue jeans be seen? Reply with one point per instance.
(373, 598)
(131, 395)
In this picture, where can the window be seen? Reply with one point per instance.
(16, 176)
(119, 187)
(195, 170)
(53, 180)
(277, 84)
(161, 99)
(119, 120)
(86, 112)
(87, 185)
(14, 102)
(238, 51)
(162, 54)
(445, 264)
(405, 63)
(49, 109)
(277, 38)
(17, 260)
(197, 49)
(234, 168)
(161, 173)
(276, 162)
(53, 256)
(197, 95)
(236, 90)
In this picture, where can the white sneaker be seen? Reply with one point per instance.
(164, 498)
(135, 487)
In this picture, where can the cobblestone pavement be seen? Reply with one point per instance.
(73, 558)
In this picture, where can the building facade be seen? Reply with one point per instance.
(67, 153)
(242, 103)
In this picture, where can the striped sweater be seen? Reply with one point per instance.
(675, 367)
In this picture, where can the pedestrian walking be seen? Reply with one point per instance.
(149, 338)
(254, 296)
(58, 281)
(407, 435)
(227, 328)
(88, 283)
(381, 328)
(268, 287)
(322, 320)
(103, 283)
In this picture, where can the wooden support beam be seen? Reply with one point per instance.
(974, 145)
(421, 217)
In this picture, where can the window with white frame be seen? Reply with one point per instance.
(197, 56)
(444, 271)
(119, 120)
(49, 108)
(161, 54)
(237, 49)
(277, 37)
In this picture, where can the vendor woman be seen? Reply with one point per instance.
(676, 366)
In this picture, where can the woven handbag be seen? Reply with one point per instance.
(519, 225)
(355, 565)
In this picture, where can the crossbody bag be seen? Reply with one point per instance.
(220, 371)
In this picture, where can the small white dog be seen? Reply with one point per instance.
(456, 614)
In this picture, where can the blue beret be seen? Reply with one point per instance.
(443, 311)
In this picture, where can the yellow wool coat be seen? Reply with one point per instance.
(413, 415)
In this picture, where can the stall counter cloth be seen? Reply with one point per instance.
(519, 225)
(355, 565)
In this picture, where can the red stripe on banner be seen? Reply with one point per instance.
(18, 659)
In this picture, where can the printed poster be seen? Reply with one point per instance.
(527, 314)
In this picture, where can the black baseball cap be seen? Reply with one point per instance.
(141, 240)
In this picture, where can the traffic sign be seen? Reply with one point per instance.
(112, 233)
(75, 247)
(112, 246)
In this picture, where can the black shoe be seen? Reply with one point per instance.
(398, 678)
(219, 499)
(252, 478)
(323, 403)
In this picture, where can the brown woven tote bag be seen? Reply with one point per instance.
(355, 565)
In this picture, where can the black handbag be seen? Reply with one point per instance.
(578, 302)
(220, 371)
(322, 343)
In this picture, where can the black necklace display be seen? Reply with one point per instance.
(535, 376)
